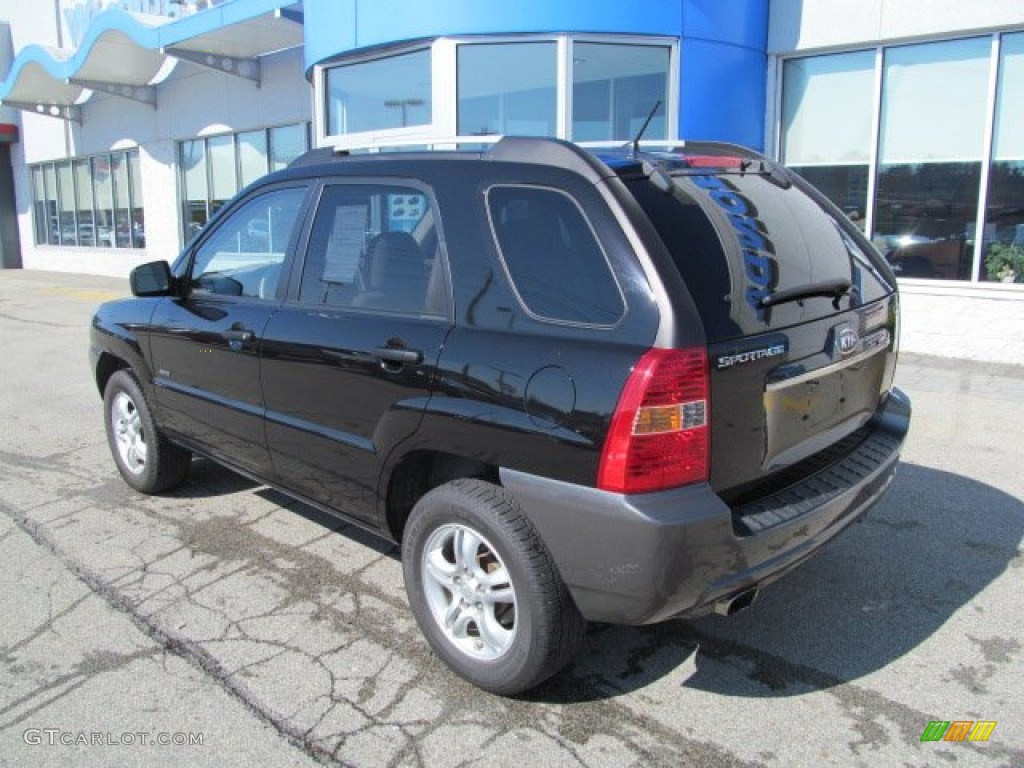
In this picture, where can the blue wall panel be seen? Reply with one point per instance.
(723, 42)
(378, 22)
(723, 93)
(739, 22)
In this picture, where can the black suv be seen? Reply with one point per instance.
(618, 386)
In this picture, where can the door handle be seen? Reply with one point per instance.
(398, 356)
(237, 338)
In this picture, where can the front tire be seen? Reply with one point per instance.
(147, 461)
(484, 589)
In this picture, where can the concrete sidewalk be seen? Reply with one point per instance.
(227, 614)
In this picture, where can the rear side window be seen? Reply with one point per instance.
(552, 257)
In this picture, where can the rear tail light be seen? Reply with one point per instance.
(659, 432)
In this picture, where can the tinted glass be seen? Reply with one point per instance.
(243, 257)
(374, 247)
(736, 238)
(375, 95)
(553, 258)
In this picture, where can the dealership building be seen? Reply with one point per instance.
(125, 124)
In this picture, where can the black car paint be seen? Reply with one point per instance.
(304, 403)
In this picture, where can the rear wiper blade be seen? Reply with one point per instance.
(834, 289)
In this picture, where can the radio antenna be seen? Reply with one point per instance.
(640, 133)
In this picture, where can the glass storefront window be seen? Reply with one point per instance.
(930, 147)
(84, 207)
(40, 211)
(507, 88)
(74, 201)
(52, 227)
(122, 204)
(195, 189)
(103, 192)
(214, 169)
(223, 170)
(66, 227)
(252, 156)
(826, 125)
(286, 144)
(597, 88)
(393, 92)
(1003, 252)
(614, 89)
(138, 220)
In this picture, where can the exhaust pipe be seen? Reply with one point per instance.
(733, 604)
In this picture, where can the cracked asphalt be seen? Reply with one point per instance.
(277, 636)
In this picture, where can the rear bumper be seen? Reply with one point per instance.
(645, 558)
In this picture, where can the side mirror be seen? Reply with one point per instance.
(152, 279)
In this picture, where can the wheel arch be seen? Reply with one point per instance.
(106, 366)
(420, 471)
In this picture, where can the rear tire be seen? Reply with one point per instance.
(147, 461)
(484, 589)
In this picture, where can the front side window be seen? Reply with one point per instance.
(507, 88)
(552, 257)
(375, 247)
(394, 92)
(243, 257)
(614, 89)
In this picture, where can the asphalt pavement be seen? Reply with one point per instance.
(225, 624)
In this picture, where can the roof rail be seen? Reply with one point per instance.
(381, 143)
(524, 149)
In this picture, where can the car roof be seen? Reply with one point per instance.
(593, 162)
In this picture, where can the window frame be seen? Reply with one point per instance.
(444, 85)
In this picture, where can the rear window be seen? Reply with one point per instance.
(736, 238)
(552, 257)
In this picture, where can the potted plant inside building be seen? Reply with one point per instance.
(1004, 263)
